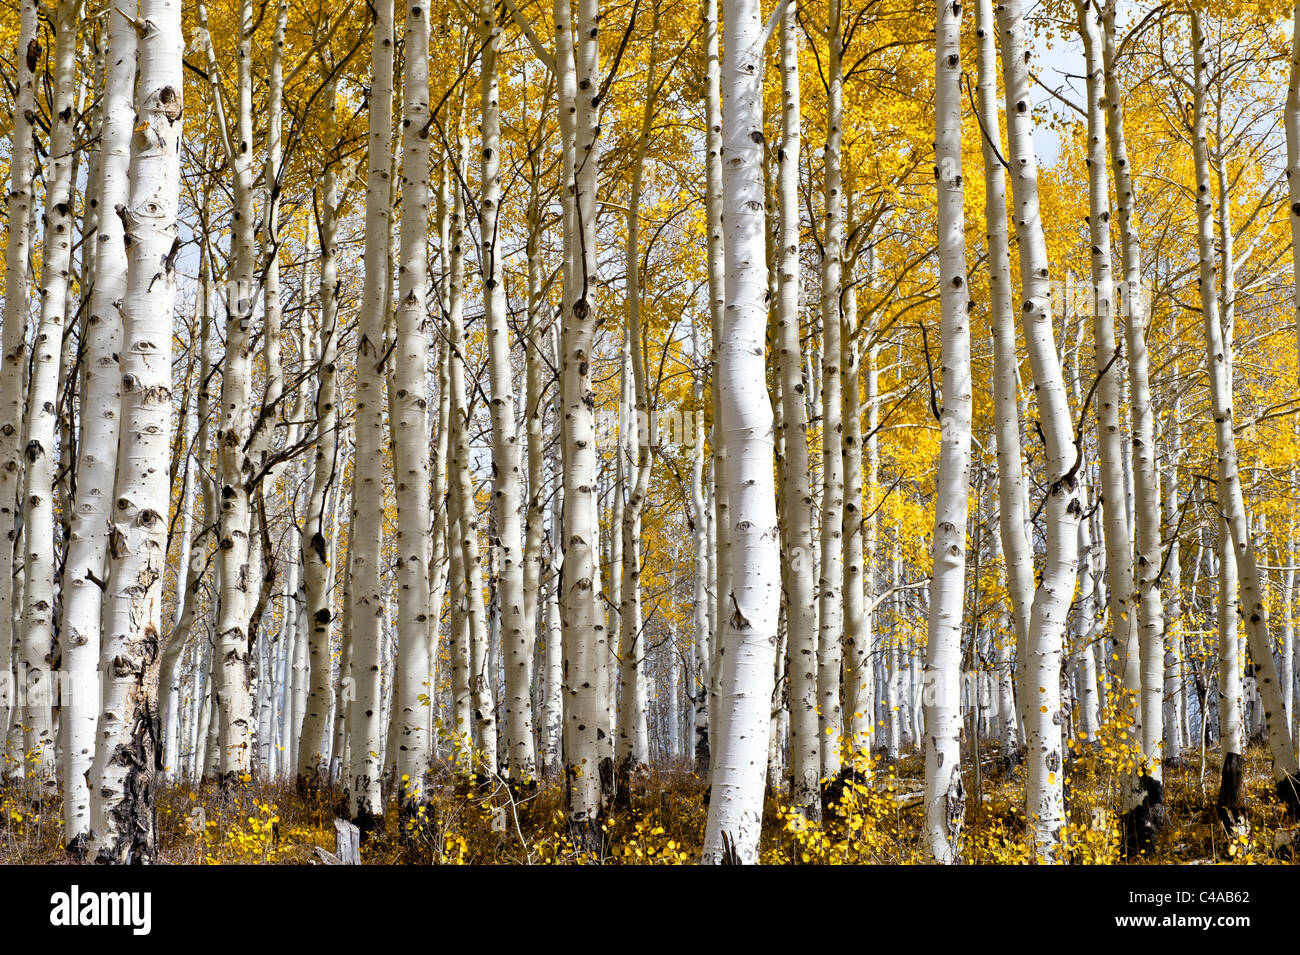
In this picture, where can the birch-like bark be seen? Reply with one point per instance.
(187, 613)
(13, 365)
(1175, 690)
(796, 510)
(409, 420)
(944, 798)
(702, 625)
(1150, 616)
(234, 663)
(1291, 121)
(1124, 601)
(123, 814)
(577, 73)
(632, 747)
(535, 414)
(300, 660)
(264, 429)
(517, 633)
(316, 520)
(1085, 669)
(831, 575)
(749, 636)
(719, 519)
(1006, 414)
(38, 641)
(1040, 667)
(857, 646)
(1230, 496)
(477, 703)
(1115, 525)
(366, 543)
(97, 453)
(554, 726)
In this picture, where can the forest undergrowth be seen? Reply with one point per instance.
(871, 817)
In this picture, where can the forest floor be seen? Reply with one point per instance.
(875, 819)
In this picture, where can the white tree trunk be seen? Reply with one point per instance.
(944, 799)
(796, 510)
(750, 608)
(1149, 617)
(1291, 120)
(1040, 667)
(233, 662)
(831, 579)
(326, 473)
(409, 420)
(702, 626)
(1011, 474)
(123, 814)
(1230, 497)
(518, 633)
(38, 638)
(87, 559)
(13, 365)
(366, 543)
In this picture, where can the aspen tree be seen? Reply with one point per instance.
(1040, 667)
(1101, 303)
(535, 414)
(233, 662)
(701, 624)
(97, 453)
(196, 559)
(1011, 475)
(123, 815)
(409, 419)
(1124, 603)
(857, 640)
(830, 598)
(326, 469)
(38, 639)
(477, 702)
(553, 734)
(264, 427)
(750, 608)
(797, 565)
(1291, 121)
(1174, 689)
(578, 81)
(632, 741)
(1230, 496)
(13, 363)
(944, 798)
(187, 614)
(1150, 617)
(366, 540)
(719, 519)
(518, 633)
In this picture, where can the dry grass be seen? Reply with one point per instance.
(873, 822)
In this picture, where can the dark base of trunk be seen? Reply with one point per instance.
(311, 785)
(588, 837)
(623, 783)
(1288, 790)
(77, 848)
(608, 784)
(1140, 825)
(371, 825)
(702, 756)
(1230, 807)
